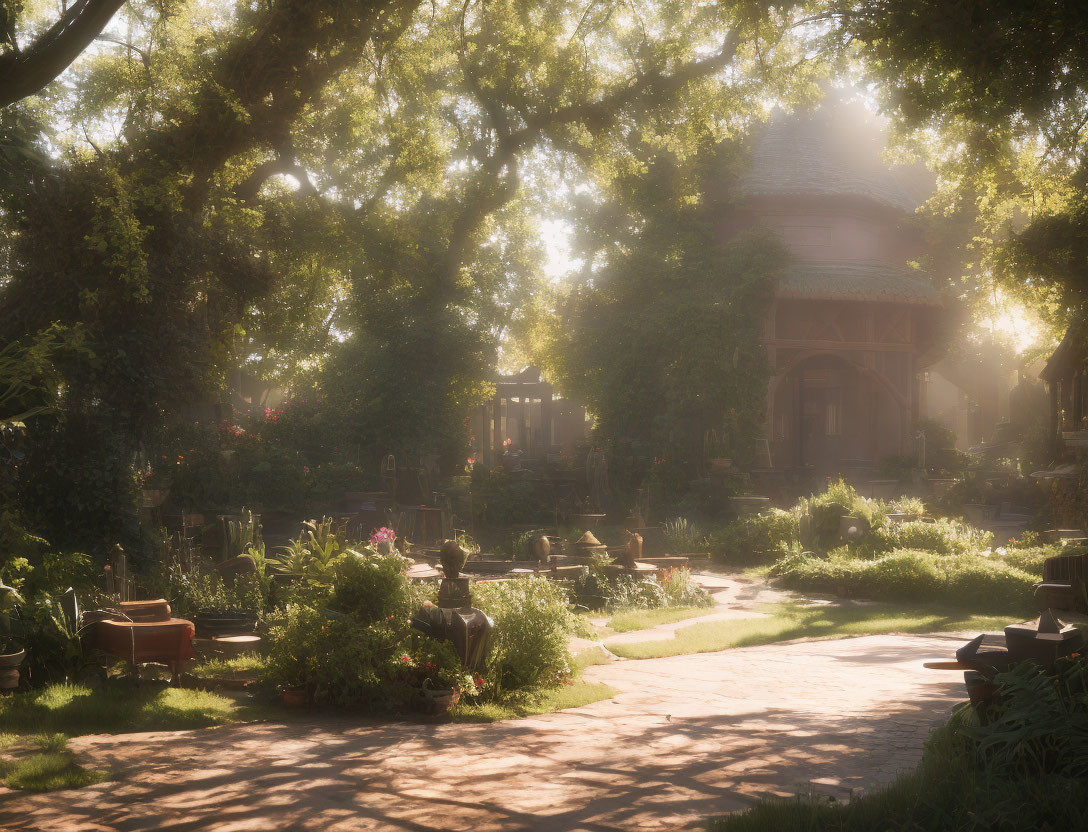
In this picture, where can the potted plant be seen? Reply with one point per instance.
(437, 701)
(12, 652)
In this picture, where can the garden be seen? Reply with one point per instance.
(543, 414)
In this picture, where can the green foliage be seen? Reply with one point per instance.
(197, 587)
(370, 588)
(605, 586)
(913, 576)
(662, 343)
(1030, 558)
(529, 642)
(1041, 725)
(942, 537)
(756, 538)
(350, 643)
(344, 660)
(503, 499)
(681, 535)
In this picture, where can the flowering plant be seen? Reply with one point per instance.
(383, 535)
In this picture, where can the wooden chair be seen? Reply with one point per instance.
(1065, 583)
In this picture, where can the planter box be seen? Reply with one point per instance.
(883, 489)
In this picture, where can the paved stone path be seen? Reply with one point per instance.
(685, 737)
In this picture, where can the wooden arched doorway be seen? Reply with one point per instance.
(832, 416)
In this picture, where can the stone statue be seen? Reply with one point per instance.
(454, 620)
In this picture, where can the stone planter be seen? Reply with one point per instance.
(749, 504)
(437, 702)
(587, 521)
(211, 623)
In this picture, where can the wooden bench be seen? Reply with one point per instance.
(1065, 583)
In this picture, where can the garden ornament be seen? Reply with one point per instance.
(468, 630)
(454, 591)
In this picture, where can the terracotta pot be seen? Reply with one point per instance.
(295, 697)
(9, 669)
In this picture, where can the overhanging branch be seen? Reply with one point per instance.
(30, 71)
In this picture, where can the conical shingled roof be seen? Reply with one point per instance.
(872, 281)
(832, 151)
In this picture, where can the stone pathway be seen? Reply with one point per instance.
(684, 738)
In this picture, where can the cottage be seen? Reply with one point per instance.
(852, 324)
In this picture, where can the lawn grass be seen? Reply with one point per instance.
(52, 767)
(572, 695)
(117, 708)
(239, 667)
(791, 620)
(628, 620)
(48, 771)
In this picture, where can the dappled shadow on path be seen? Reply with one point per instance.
(572, 771)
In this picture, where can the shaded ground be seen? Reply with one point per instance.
(685, 737)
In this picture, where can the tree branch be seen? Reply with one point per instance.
(492, 192)
(30, 71)
(285, 163)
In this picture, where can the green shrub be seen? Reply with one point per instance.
(681, 535)
(943, 537)
(912, 576)
(986, 583)
(755, 539)
(529, 642)
(602, 587)
(344, 661)
(351, 644)
(1030, 558)
(199, 587)
(499, 499)
(370, 587)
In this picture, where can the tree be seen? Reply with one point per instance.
(661, 336)
(995, 95)
(422, 139)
